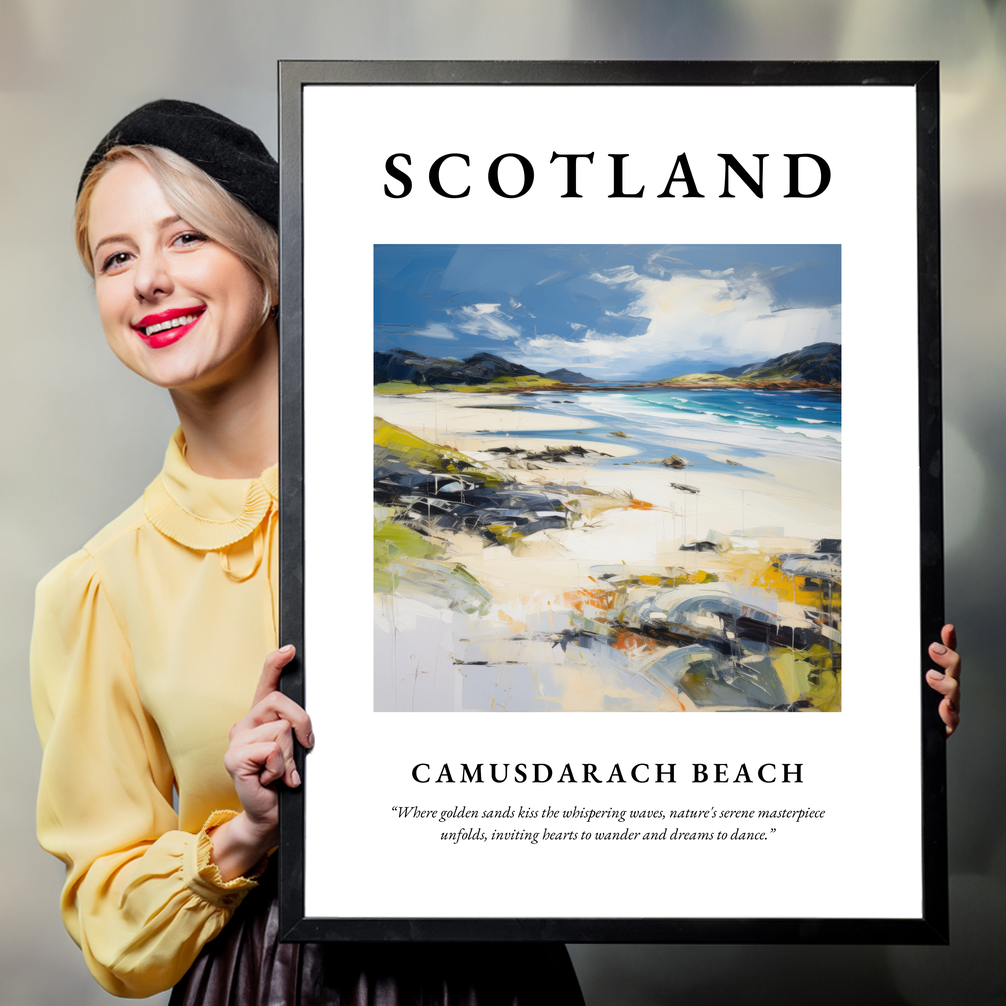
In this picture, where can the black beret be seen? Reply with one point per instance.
(230, 154)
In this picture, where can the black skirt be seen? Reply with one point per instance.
(246, 965)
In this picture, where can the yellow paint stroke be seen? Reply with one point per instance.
(794, 675)
(515, 625)
(765, 573)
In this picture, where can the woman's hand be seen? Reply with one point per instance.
(947, 682)
(260, 753)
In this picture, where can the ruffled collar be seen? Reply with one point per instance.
(203, 513)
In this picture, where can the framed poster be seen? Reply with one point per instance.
(612, 588)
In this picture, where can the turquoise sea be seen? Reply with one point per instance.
(744, 423)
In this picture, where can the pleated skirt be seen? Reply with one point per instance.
(246, 965)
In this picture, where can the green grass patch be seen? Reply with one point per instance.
(392, 443)
(399, 388)
(393, 542)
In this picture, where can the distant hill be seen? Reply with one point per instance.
(687, 365)
(819, 364)
(402, 365)
(570, 377)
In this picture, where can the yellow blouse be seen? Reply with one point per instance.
(147, 647)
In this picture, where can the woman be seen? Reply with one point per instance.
(149, 642)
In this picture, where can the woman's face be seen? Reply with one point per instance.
(177, 308)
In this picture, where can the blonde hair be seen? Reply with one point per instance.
(199, 200)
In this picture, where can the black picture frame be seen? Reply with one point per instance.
(932, 925)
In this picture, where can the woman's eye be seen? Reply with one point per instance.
(190, 238)
(114, 261)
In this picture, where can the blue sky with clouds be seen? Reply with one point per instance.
(609, 311)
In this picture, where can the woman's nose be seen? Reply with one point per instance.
(152, 277)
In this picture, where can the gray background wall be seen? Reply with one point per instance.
(81, 436)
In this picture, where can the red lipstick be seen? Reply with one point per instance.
(166, 327)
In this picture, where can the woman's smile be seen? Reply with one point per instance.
(167, 327)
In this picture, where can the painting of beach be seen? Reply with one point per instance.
(607, 478)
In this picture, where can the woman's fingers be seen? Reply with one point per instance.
(278, 736)
(274, 767)
(944, 684)
(270, 703)
(271, 671)
(950, 716)
(948, 659)
(261, 749)
(946, 656)
(277, 706)
(949, 688)
(949, 711)
(949, 636)
(260, 761)
(946, 681)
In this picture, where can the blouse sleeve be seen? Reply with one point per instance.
(141, 898)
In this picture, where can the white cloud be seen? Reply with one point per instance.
(485, 320)
(718, 316)
(615, 277)
(436, 330)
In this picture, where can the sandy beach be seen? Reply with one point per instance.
(583, 612)
(803, 496)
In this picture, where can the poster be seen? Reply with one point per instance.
(620, 366)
